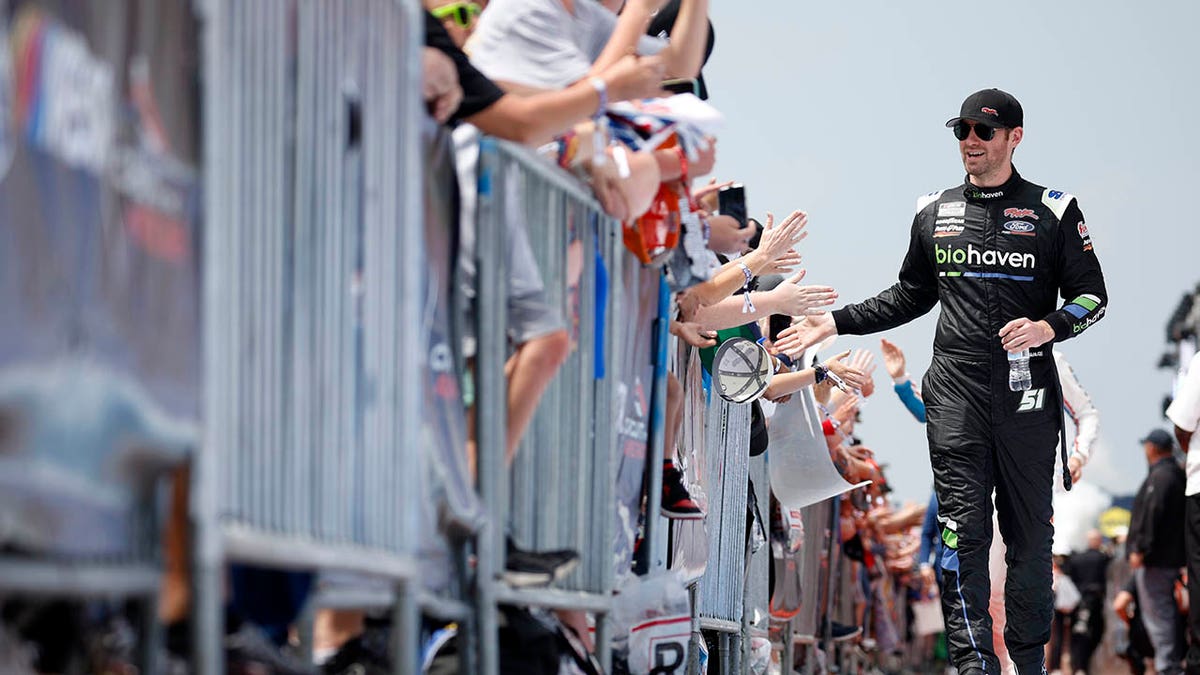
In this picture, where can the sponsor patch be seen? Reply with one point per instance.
(1019, 213)
(1085, 235)
(989, 111)
(1055, 194)
(976, 257)
(950, 221)
(1020, 227)
(1032, 400)
(948, 230)
(1086, 323)
(952, 210)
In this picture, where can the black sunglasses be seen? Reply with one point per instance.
(983, 131)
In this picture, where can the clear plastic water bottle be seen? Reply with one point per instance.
(1019, 377)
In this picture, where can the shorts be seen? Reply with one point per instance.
(530, 314)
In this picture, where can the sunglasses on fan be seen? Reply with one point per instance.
(463, 13)
(983, 131)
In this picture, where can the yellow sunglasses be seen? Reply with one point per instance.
(463, 13)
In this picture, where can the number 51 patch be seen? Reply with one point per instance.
(1031, 400)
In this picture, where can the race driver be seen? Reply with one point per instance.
(995, 251)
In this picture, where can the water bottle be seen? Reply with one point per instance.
(1019, 377)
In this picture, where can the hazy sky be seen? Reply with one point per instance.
(837, 108)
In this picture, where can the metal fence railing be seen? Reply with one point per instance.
(311, 368)
(565, 481)
(300, 282)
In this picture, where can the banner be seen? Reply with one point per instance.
(99, 261)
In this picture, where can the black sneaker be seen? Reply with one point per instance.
(250, 651)
(527, 569)
(677, 502)
(357, 657)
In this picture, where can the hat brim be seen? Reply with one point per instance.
(980, 118)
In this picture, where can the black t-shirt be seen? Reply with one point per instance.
(479, 92)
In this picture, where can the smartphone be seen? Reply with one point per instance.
(682, 86)
(731, 201)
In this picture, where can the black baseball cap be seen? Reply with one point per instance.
(664, 21)
(992, 107)
(1159, 439)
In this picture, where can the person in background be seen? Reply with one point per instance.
(1155, 548)
(1184, 413)
(1089, 570)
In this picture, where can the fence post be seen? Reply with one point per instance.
(656, 559)
(490, 401)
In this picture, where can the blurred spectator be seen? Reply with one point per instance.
(1139, 647)
(532, 45)
(455, 90)
(1066, 599)
(1156, 549)
(1184, 413)
(1089, 570)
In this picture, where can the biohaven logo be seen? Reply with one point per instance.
(1087, 323)
(975, 257)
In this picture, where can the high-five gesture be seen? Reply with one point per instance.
(803, 334)
(793, 299)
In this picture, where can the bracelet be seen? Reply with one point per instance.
(602, 90)
(683, 164)
(599, 136)
(748, 305)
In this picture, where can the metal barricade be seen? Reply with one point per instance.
(756, 600)
(311, 273)
(722, 588)
(562, 492)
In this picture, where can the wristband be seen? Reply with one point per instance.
(748, 305)
(828, 427)
(599, 136)
(602, 90)
(902, 379)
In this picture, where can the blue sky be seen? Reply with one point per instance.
(838, 109)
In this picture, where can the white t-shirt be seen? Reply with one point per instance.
(538, 43)
(1184, 412)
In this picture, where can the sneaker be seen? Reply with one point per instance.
(677, 503)
(528, 569)
(250, 651)
(357, 657)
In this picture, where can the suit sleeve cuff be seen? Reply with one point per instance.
(1061, 325)
(841, 320)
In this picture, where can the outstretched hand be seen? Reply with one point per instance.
(893, 359)
(693, 334)
(709, 188)
(793, 299)
(794, 339)
(864, 361)
(779, 241)
(853, 375)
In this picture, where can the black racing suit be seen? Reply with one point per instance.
(990, 256)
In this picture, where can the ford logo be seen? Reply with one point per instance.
(1019, 226)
